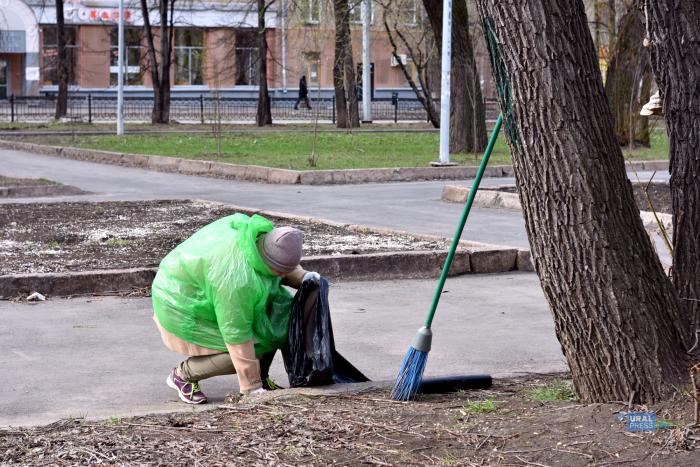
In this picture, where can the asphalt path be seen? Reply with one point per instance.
(102, 357)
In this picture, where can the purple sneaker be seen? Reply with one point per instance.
(188, 391)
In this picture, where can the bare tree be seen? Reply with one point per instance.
(674, 36)
(616, 315)
(467, 114)
(347, 110)
(160, 60)
(421, 49)
(62, 65)
(264, 114)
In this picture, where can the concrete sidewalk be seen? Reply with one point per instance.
(102, 356)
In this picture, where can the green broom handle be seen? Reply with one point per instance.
(465, 214)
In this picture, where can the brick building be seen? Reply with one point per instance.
(214, 46)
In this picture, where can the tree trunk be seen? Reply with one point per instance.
(62, 66)
(674, 33)
(340, 11)
(616, 315)
(628, 81)
(160, 70)
(264, 114)
(350, 81)
(467, 115)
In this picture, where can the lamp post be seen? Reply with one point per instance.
(283, 24)
(120, 73)
(366, 78)
(445, 82)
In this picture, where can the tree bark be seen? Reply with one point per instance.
(62, 66)
(350, 81)
(629, 66)
(340, 10)
(616, 315)
(160, 69)
(467, 114)
(264, 114)
(674, 36)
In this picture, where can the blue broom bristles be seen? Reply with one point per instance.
(410, 375)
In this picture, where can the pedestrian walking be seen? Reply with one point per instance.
(303, 94)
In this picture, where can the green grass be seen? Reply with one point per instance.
(117, 242)
(292, 150)
(559, 390)
(11, 181)
(52, 244)
(486, 406)
(657, 150)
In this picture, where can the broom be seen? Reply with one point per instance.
(411, 373)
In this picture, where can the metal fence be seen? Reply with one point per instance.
(204, 109)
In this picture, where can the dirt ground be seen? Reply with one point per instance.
(522, 421)
(54, 237)
(659, 193)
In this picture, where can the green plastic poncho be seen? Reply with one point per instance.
(215, 289)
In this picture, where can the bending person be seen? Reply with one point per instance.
(218, 299)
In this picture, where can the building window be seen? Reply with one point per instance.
(312, 13)
(49, 54)
(246, 59)
(189, 55)
(132, 56)
(355, 11)
(312, 62)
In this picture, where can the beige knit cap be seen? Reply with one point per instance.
(281, 248)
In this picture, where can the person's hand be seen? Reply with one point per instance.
(313, 276)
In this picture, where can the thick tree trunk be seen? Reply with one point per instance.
(628, 81)
(264, 114)
(160, 69)
(62, 66)
(350, 81)
(467, 115)
(674, 33)
(616, 314)
(340, 9)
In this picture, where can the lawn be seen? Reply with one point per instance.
(291, 150)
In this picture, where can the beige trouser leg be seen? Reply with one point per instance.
(239, 360)
(207, 366)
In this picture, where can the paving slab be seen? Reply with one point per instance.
(102, 356)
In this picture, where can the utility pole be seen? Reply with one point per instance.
(366, 74)
(283, 24)
(445, 83)
(120, 73)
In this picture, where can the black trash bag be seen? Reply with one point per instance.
(309, 356)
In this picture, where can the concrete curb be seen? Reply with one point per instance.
(253, 173)
(39, 190)
(374, 266)
(485, 198)
(470, 257)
